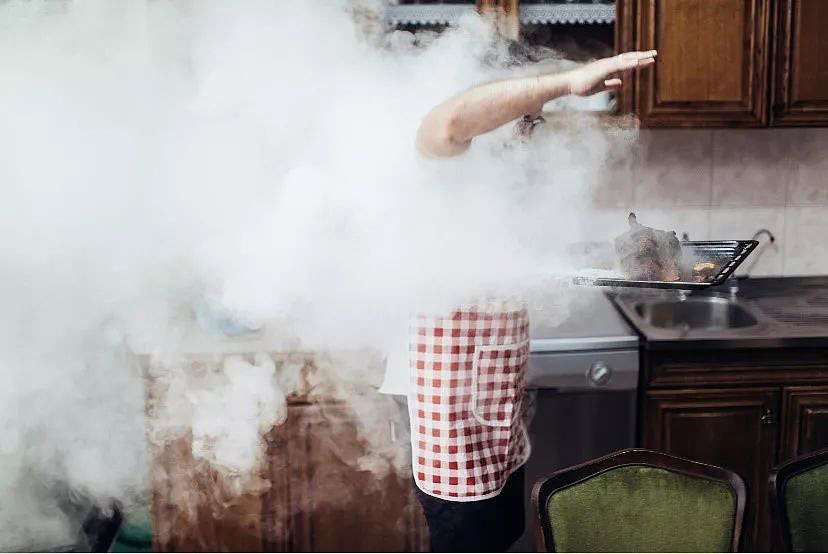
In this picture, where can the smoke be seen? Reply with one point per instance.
(174, 172)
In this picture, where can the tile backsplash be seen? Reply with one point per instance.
(727, 183)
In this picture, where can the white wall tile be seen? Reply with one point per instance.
(806, 241)
(741, 224)
(614, 183)
(751, 167)
(675, 168)
(604, 225)
(809, 183)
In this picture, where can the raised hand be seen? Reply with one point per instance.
(605, 74)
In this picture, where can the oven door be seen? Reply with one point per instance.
(583, 407)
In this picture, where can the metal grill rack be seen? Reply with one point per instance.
(726, 254)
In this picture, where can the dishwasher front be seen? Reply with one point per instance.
(583, 399)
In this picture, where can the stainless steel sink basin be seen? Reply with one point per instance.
(707, 313)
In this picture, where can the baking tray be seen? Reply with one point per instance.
(726, 254)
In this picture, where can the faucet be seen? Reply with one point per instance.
(761, 232)
(732, 282)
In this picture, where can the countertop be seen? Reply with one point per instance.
(565, 318)
(790, 312)
(579, 318)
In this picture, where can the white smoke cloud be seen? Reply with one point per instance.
(254, 159)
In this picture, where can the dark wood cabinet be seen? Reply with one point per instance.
(744, 409)
(727, 63)
(334, 477)
(322, 500)
(732, 428)
(713, 62)
(800, 87)
(805, 417)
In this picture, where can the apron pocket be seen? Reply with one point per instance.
(497, 382)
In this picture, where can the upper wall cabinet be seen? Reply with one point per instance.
(727, 63)
(712, 61)
(800, 93)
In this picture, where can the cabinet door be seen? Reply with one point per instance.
(800, 63)
(804, 421)
(731, 428)
(506, 13)
(712, 62)
(329, 494)
(197, 509)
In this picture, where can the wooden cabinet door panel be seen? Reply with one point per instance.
(320, 491)
(731, 428)
(326, 496)
(712, 62)
(196, 509)
(805, 421)
(335, 475)
(801, 63)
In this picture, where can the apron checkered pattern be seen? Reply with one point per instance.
(467, 431)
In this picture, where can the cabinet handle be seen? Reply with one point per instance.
(767, 417)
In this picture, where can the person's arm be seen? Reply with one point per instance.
(448, 129)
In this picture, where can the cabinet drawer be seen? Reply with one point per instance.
(739, 367)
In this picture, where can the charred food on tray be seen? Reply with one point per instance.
(704, 272)
(648, 254)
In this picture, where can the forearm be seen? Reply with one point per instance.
(449, 128)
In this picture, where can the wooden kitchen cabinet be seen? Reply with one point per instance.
(335, 476)
(805, 417)
(712, 65)
(800, 86)
(732, 428)
(321, 500)
(743, 409)
(727, 63)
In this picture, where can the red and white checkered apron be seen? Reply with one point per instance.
(468, 370)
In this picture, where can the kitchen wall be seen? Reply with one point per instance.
(716, 184)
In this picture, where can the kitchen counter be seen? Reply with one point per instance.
(789, 312)
(577, 319)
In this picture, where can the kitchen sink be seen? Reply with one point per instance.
(704, 313)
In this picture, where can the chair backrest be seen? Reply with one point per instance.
(799, 499)
(640, 501)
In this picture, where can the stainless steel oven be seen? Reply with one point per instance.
(582, 383)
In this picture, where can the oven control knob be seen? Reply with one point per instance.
(599, 374)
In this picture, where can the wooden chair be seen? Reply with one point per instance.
(640, 501)
(799, 500)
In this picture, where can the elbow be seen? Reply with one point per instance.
(440, 136)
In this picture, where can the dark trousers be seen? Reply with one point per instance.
(490, 525)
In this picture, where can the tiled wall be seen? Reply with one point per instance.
(716, 184)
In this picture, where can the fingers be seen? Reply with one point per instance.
(612, 84)
(633, 60)
(644, 54)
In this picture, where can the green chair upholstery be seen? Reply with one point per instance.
(641, 501)
(799, 491)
